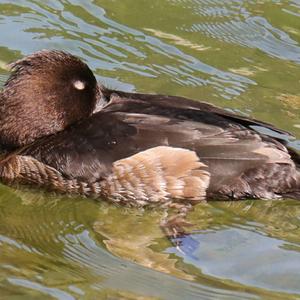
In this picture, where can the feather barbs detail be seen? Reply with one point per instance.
(158, 175)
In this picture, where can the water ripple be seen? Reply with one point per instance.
(64, 245)
(233, 22)
(113, 46)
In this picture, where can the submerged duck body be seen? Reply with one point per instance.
(138, 149)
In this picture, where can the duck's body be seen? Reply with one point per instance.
(117, 153)
(241, 162)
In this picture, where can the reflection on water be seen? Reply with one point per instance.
(58, 246)
(242, 55)
(55, 246)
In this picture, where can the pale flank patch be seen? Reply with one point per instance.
(158, 175)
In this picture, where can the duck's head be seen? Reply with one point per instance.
(46, 92)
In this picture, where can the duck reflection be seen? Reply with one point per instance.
(78, 237)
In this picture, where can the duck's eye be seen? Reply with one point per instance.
(79, 85)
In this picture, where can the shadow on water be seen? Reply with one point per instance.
(241, 55)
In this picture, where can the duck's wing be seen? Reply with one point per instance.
(170, 105)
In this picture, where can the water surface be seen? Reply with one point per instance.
(240, 55)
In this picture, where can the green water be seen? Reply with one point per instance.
(241, 55)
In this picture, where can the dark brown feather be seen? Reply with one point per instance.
(236, 156)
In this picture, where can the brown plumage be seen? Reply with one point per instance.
(138, 149)
(43, 85)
